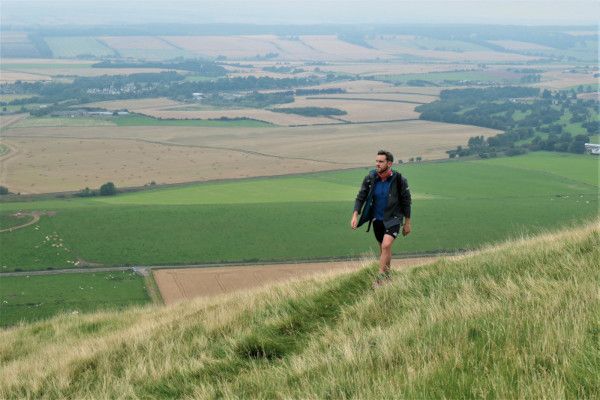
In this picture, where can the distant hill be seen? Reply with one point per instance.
(518, 320)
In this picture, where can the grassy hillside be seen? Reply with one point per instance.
(520, 320)
(457, 205)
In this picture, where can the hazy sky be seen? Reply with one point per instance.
(529, 12)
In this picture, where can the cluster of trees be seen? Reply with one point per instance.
(311, 111)
(284, 70)
(142, 85)
(506, 143)
(107, 189)
(538, 127)
(530, 78)
(355, 38)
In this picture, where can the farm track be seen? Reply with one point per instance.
(143, 269)
(36, 218)
(6, 122)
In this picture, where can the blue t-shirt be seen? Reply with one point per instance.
(380, 197)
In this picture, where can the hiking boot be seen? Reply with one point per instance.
(382, 279)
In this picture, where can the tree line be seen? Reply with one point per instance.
(531, 120)
(141, 85)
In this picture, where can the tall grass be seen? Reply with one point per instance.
(519, 320)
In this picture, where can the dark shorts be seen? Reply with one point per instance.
(380, 230)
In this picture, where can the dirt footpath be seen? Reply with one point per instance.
(187, 283)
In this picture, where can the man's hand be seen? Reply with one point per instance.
(406, 227)
(354, 221)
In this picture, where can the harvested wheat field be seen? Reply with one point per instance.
(360, 110)
(369, 86)
(332, 48)
(364, 97)
(70, 158)
(55, 165)
(92, 72)
(403, 45)
(8, 76)
(234, 47)
(188, 283)
(295, 49)
(517, 45)
(366, 69)
(562, 80)
(135, 42)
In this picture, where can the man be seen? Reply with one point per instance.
(386, 199)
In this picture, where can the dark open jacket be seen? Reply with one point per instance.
(398, 205)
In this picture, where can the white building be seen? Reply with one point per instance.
(592, 148)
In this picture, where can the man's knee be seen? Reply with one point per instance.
(387, 243)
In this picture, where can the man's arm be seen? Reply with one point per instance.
(358, 203)
(354, 221)
(406, 228)
(405, 204)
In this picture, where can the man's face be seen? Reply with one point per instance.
(381, 163)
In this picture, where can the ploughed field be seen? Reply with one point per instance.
(179, 284)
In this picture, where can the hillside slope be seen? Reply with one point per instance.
(517, 320)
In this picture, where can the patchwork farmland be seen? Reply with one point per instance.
(199, 160)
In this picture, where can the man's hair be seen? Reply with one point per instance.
(388, 156)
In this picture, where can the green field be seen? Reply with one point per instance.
(73, 46)
(8, 220)
(427, 43)
(42, 122)
(22, 108)
(31, 298)
(457, 205)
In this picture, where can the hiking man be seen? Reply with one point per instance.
(386, 199)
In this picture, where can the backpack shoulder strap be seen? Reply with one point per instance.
(399, 184)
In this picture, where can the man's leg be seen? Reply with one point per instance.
(386, 254)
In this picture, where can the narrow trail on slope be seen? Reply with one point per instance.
(36, 217)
